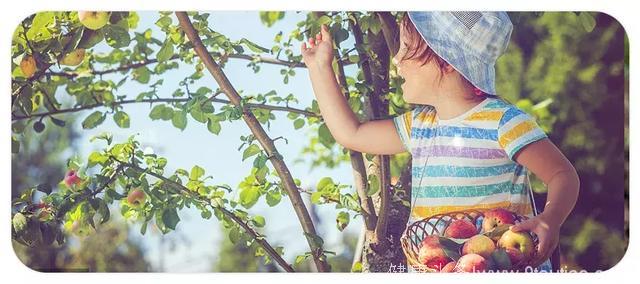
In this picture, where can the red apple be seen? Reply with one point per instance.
(71, 178)
(479, 244)
(432, 254)
(461, 229)
(496, 217)
(471, 263)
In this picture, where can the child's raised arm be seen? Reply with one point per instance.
(375, 137)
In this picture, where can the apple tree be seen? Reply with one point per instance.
(53, 52)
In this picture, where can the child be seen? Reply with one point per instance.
(470, 149)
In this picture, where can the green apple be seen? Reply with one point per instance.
(73, 58)
(518, 245)
(479, 244)
(93, 20)
(28, 66)
(136, 198)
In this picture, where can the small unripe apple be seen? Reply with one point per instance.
(28, 66)
(93, 20)
(71, 178)
(73, 58)
(136, 198)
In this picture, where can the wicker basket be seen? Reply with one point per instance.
(436, 225)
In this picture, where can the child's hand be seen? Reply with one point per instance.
(548, 231)
(318, 51)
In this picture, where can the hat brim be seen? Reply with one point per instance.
(477, 72)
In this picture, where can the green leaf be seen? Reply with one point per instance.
(170, 218)
(273, 198)
(44, 187)
(497, 232)
(270, 17)
(142, 74)
(325, 137)
(587, 21)
(166, 52)
(374, 185)
(103, 210)
(342, 220)
(19, 222)
(213, 126)
(298, 123)
(156, 112)
(258, 221)
(39, 26)
(122, 119)
(451, 248)
(250, 151)
(179, 120)
(324, 183)
(116, 36)
(249, 196)
(93, 120)
(143, 228)
(96, 158)
(253, 46)
(196, 173)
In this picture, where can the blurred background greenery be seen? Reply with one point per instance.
(570, 72)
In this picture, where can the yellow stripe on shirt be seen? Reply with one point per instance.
(493, 115)
(420, 212)
(515, 133)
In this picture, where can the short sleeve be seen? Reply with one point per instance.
(403, 127)
(516, 130)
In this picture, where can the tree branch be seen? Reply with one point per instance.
(262, 137)
(390, 31)
(251, 57)
(167, 100)
(374, 107)
(357, 164)
(255, 235)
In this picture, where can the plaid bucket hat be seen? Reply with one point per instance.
(470, 42)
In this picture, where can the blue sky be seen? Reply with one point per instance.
(196, 240)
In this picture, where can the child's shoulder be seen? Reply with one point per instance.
(504, 110)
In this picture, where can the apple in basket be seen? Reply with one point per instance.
(449, 267)
(496, 217)
(461, 229)
(479, 244)
(518, 246)
(471, 263)
(432, 253)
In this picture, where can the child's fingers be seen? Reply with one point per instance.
(319, 37)
(324, 30)
(312, 42)
(303, 47)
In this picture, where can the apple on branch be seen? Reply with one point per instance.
(93, 20)
(28, 66)
(72, 178)
(136, 198)
(73, 58)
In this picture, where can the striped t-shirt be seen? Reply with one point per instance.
(467, 162)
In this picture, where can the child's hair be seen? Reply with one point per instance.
(418, 49)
